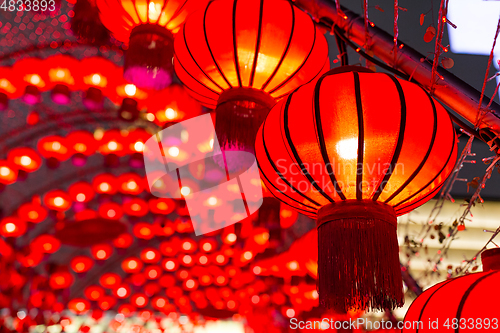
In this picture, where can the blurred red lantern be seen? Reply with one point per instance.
(142, 24)
(107, 302)
(466, 303)
(173, 104)
(159, 302)
(379, 161)
(62, 72)
(32, 212)
(152, 272)
(12, 227)
(81, 192)
(139, 300)
(136, 139)
(9, 87)
(127, 310)
(111, 210)
(161, 206)
(132, 265)
(85, 233)
(105, 184)
(25, 159)
(57, 200)
(100, 78)
(208, 245)
(123, 241)
(61, 280)
(101, 251)
(81, 264)
(135, 207)
(82, 145)
(143, 230)
(259, 57)
(170, 264)
(79, 305)
(131, 183)
(188, 246)
(112, 142)
(45, 243)
(54, 148)
(288, 216)
(34, 79)
(8, 173)
(150, 256)
(88, 27)
(110, 280)
(122, 291)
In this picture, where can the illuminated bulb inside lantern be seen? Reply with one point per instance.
(112, 145)
(185, 190)
(207, 247)
(130, 89)
(255, 299)
(220, 258)
(4, 83)
(4, 171)
(150, 255)
(203, 260)
(293, 266)
(56, 145)
(150, 117)
(132, 264)
(161, 303)
(231, 238)
(104, 187)
(135, 207)
(25, 160)
(33, 215)
(348, 148)
(35, 79)
(121, 292)
(139, 146)
(173, 151)
(154, 11)
(170, 113)
(60, 73)
(190, 284)
(111, 213)
(10, 227)
(257, 270)
(140, 301)
(80, 306)
(96, 79)
(187, 246)
(290, 313)
(131, 185)
(101, 254)
(80, 197)
(248, 255)
(187, 259)
(212, 201)
(170, 265)
(58, 201)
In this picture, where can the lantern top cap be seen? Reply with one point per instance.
(348, 69)
(491, 259)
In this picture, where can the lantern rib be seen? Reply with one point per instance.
(303, 169)
(208, 46)
(285, 52)
(399, 144)
(280, 175)
(434, 178)
(466, 295)
(177, 12)
(321, 138)
(289, 78)
(361, 137)
(235, 46)
(197, 93)
(257, 46)
(424, 160)
(194, 60)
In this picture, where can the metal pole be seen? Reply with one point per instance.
(449, 89)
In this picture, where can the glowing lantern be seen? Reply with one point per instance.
(143, 230)
(139, 300)
(122, 291)
(25, 159)
(82, 144)
(101, 251)
(385, 148)
(239, 57)
(79, 305)
(61, 280)
(132, 265)
(123, 241)
(33, 78)
(135, 207)
(61, 78)
(150, 256)
(12, 227)
(105, 184)
(81, 264)
(32, 212)
(159, 302)
(87, 26)
(152, 272)
(46, 244)
(131, 183)
(288, 216)
(111, 210)
(94, 293)
(110, 280)
(57, 200)
(8, 84)
(161, 206)
(54, 148)
(81, 192)
(147, 27)
(8, 173)
(107, 302)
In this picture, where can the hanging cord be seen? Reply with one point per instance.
(341, 45)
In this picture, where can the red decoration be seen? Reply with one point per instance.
(25, 159)
(87, 25)
(147, 27)
(81, 264)
(469, 301)
(101, 251)
(12, 227)
(57, 200)
(8, 173)
(46, 244)
(377, 148)
(81, 192)
(61, 280)
(32, 212)
(89, 232)
(239, 57)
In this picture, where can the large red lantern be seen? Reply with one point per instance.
(240, 56)
(355, 150)
(148, 28)
(463, 304)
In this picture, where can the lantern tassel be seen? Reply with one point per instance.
(358, 263)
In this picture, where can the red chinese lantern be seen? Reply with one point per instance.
(150, 256)
(61, 280)
(86, 23)
(9, 87)
(131, 183)
(12, 227)
(79, 305)
(25, 159)
(34, 79)
(123, 241)
(148, 29)
(101, 251)
(105, 183)
(81, 264)
(81, 192)
(32, 212)
(110, 280)
(94, 293)
(162, 206)
(354, 150)
(82, 144)
(57, 200)
(54, 148)
(46, 244)
(8, 173)
(240, 57)
(61, 72)
(463, 304)
(132, 265)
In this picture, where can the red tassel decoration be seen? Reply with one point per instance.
(358, 264)
(87, 25)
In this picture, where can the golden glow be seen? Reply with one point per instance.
(62, 75)
(170, 113)
(348, 148)
(185, 190)
(154, 12)
(130, 89)
(7, 86)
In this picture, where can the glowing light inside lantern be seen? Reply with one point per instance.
(348, 148)
(130, 89)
